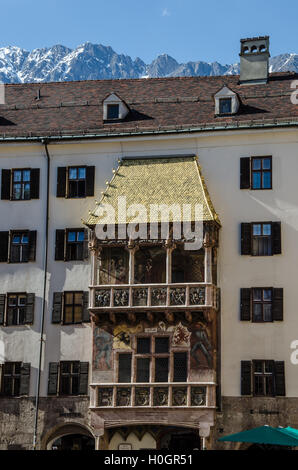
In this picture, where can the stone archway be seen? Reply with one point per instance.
(66, 430)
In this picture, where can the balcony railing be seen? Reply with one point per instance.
(190, 295)
(165, 395)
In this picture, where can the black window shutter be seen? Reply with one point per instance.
(32, 245)
(85, 245)
(246, 239)
(278, 295)
(276, 238)
(59, 248)
(4, 237)
(90, 171)
(245, 304)
(25, 379)
(2, 308)
(57, 307)
(86, 315)
(34, 188)
(5, 184)
(180, 367)
(61, 181)
(53, 378)
(245, 377)
(280, 388)
(83, 389)
(245, 173)
(30, 308)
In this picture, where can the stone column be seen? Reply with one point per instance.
(169, 247)
(131, 266)
(208, 259)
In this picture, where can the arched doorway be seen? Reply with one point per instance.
(179, 439)
(70, 436)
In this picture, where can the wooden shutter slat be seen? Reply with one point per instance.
(246, 239)
(29, 318)
(245, 173)
(276, 238)
(245, 304)
(277, 307)
(2, 308)
(59, 248)
(245, 377)
(25, 379)
(4, 237)
(5, 184)
(86, 314)
(279, 369)
(61, 181)
(57, 307)
(90, 172)
(85, 245)
(83, 388)
(32, 245)
(34, 187)
(53, 378)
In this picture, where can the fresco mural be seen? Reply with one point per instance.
(102, 349)
(201, 353)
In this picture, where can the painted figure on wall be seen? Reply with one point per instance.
(103, 344)
(201, 348)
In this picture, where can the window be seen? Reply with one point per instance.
(18, 246)
(73, 307)
(256, 172)
(113, 111)
(261, 238)
(17, 310)
(225, 105)
(263, 378)
(20, 184)
(71, 244)
(77, 182)
(68, 378)
(74, 245)
(261, 173)
(261, 304)
(152, 361)
(70, 307)
(15, 379)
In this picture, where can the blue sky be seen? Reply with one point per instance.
(185, 29)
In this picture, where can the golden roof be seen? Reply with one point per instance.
(154, 181)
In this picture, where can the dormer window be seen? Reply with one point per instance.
(113, 111)
(225, 106)
(114, 108)
(226, 102)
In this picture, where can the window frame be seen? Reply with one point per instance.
(18, 307)
(263, 375)
(11, 244)
(73, 305)
(14, 376)
(220, 101)
(260, 237)
(112, 105)
(77, 180)
(262, 303)
(70, 375)
(76, 242)
(252, 171)
(152, 356)
(22, 183)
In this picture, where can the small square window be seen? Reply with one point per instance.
(261, 173)
(143, 345)
(113, 111)
(225, 105)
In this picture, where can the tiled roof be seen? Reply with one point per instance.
(75, 108)
(148, 181)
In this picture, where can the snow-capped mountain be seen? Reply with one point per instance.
(95, 61)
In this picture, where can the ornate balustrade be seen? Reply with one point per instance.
(165, 395)
(190, 295)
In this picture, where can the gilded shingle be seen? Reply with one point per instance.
(154, 181)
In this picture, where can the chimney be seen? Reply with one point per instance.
(254, 60)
